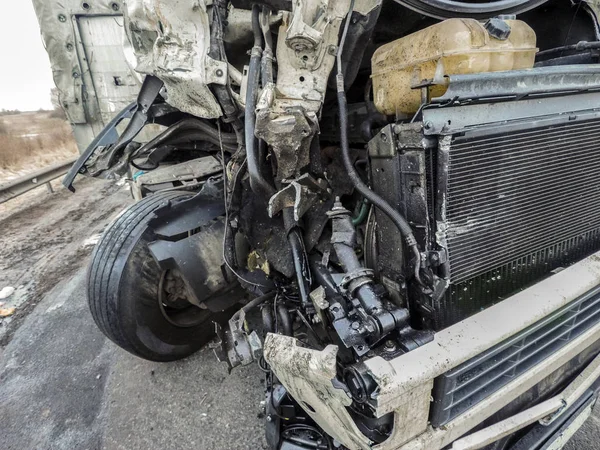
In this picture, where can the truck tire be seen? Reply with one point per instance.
(124, 286)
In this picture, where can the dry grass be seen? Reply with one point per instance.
(33, 140)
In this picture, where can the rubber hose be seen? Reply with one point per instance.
(375, 199)
(253, 304)
(285, 320)
(257, 182)
(211, 134)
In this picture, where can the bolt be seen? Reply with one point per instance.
(219, 73)
(75, 74)
(69, 47)
(428, 125)
(114, 6)
(390, 345)
(384, 137)
(332, 49)
(355, 325)
(269, 418)
(62, 18)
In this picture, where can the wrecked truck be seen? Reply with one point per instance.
(392, 207)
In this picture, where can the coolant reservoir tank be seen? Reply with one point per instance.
(454, 46)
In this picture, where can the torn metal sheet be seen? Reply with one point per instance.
(170, 40)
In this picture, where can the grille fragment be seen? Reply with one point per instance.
(463, 387)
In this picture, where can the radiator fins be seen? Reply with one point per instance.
(518, 205)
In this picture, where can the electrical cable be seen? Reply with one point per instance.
(224, 167)
(375, 199)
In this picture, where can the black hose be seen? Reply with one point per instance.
(583, 45)
(208, 133)
(256, 28)
(297, 246)
(253, 304)
(378, 201)
(257, 182)
(267, 319)
(284, 320)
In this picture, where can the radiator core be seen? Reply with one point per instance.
(513, 206)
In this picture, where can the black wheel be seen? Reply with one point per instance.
(483, 9)
(138, 306)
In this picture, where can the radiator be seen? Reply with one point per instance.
(514, 202)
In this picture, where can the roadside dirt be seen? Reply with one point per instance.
(46, 237)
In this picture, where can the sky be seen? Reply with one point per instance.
(25, 75)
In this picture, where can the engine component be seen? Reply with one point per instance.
(235, 345)
(454, 46)
(500, 210)
(306, 50)
(372, 318)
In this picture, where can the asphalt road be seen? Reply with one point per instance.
(63, 386)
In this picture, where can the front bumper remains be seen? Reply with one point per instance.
(509, 348)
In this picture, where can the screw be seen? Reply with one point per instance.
(384, 137)
(62, 18)
(75, 74)
(390, 345)
(355, 325)
(219, 73)
(332, 49)
(428, 125)
(269, 418)
(114, 6)
(69, 47)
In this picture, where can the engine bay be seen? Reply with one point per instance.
(369, 173)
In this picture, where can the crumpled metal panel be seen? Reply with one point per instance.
(170, 40)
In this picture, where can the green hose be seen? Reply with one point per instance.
(362, 214)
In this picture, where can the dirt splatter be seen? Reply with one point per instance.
(43, 240)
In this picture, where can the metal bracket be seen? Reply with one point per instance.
(215, 72)
(300, 194)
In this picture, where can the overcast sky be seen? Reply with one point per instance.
(25, 75)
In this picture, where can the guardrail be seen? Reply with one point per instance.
(41, 177)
